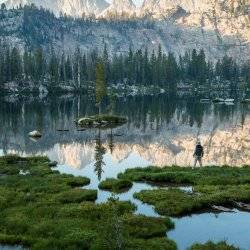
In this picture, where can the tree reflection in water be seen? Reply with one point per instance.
(100, 151)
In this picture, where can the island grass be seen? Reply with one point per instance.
(115, 185)
(213, 246)
(47, 210)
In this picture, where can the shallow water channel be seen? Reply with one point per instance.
(232, 227)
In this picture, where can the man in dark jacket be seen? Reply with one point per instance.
(198, 154)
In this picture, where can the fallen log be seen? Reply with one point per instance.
(242, 205)
(222, 209)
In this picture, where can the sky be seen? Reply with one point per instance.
(137, 2)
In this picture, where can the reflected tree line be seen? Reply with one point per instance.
(147, 114)
(142, 112)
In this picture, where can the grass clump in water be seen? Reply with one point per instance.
(213, 246)
(115, 185)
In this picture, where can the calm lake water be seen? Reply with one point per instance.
(162, 130)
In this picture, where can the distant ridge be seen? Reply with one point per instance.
(76, 8)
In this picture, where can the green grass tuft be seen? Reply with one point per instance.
(115, 185)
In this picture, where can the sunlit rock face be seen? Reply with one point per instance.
(119, 8)
(76, 8)
(218, 26)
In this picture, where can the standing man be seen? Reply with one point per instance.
(198, 154)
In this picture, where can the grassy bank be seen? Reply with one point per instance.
(42, 209)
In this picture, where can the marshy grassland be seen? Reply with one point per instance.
(43, 209)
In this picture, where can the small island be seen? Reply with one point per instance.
(101, 121)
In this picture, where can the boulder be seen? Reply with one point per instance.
(85, 121)
(35, 134)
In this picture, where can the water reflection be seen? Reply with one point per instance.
(230, 227)
(161, 130)
(100, 150)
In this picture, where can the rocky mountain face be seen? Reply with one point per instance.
(218, 26)
(76, 8)
(154, 8)
(119, 8)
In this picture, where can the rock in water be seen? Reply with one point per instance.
(35, 134)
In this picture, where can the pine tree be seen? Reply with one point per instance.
(172, 72)
(1, 68)
(54, 69)
(106, 62)
(159, 67)
(68, 69)
(130, 66)
(26, 69)
(153, 68)
(100, 86)
(15, 64)
(62, 73)
(39, 64)
(76, 67)
(201, 67)
(193, 65)
(146, 68)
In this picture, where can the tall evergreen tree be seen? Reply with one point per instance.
(100, 86)
(40, 65)
(15, 65)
